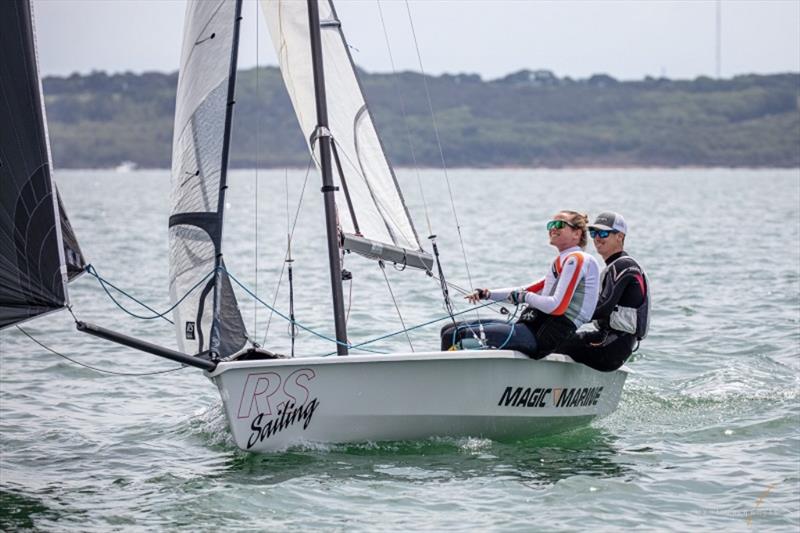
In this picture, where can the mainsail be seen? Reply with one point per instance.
(372, 213)
(38, 249)
(208, 319)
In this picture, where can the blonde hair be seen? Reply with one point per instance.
(580, 221)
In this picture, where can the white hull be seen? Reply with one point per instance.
(274, 404)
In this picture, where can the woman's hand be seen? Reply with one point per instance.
(479, 294)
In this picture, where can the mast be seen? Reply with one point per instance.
(328, 190)
(214, 341)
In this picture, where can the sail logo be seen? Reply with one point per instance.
(550, 397)
(277, 403)
(190, 331)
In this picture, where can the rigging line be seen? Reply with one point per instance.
(510, 331)
(289, 260)
(349, 300)
(103, 282)
(102, 371)
(462, 290)
(483, 344)
(439, 143)
(360, 345)
(288, 221)
(399, 97)
(255, 196)
(448, 303)
(291, 235)
(399, 314)
(455, 286)
(299, 325)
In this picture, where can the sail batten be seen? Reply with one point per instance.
(370, 203)
(208, 319)
(38, 246)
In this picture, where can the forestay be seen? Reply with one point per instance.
(38, 249)
(372, 213)
(209, 318)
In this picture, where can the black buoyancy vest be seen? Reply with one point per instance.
(622, 318)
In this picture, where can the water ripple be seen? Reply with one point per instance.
(706, 435)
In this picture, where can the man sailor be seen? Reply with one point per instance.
(621, 318)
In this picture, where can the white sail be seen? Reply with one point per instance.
(371, 210)
(199, 163)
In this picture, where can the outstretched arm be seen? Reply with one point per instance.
(504, 295)
(501, 295)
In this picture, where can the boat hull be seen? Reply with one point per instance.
(503, 395)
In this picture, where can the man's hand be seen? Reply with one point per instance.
(479, 294)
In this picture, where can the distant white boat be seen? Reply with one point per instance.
(126, 166)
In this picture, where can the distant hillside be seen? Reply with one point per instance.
(525, 119)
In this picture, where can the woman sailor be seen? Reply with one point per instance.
(556, 305)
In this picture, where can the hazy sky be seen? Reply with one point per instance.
(626, 39)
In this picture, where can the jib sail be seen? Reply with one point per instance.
(208, 319)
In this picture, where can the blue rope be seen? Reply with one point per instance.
(298, 324)
(445, 317)
(103, 282)
(470, 326)
(511, 331)
(360, 346)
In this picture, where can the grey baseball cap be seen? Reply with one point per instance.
(610, 221)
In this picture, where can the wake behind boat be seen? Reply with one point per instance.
(273, 402)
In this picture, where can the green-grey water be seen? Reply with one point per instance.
(707, 434)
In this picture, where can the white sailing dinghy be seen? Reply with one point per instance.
(273, 403)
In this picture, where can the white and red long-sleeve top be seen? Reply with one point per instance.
(570, 288)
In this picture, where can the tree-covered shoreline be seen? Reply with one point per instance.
(526, 119)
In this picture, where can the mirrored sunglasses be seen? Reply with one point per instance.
(559, 224)
(602, 233)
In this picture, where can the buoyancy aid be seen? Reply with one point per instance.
(572, 306)
(632, 320)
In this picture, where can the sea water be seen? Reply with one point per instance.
(707, 434)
